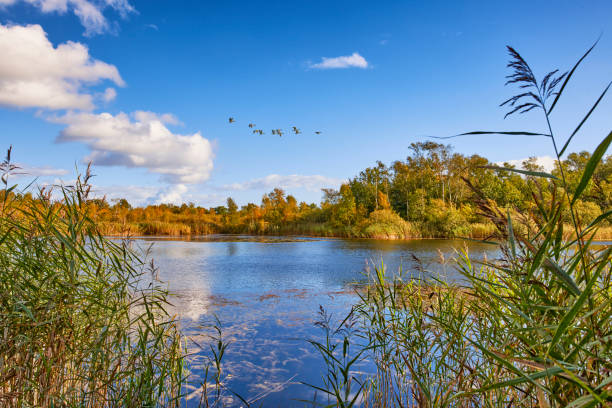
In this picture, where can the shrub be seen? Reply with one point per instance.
(386, 224)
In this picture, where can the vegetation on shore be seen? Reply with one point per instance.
(424, 196)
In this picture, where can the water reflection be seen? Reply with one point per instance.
(267, 291)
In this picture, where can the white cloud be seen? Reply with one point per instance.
(139, 195)
(109, 94)
(140, 140)
(311, 183)
(33, 73)
(347, 61)
(547, 162)
(89, 13)
(172, 194)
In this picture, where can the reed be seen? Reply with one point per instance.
(164, 228)
(482, 230)
(83, 318)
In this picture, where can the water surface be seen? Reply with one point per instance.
(266, 293)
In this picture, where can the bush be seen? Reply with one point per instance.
(386, 224)
(445, 221)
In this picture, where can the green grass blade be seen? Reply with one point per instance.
(492, 132)
(583, 120)
(591, 165)
(526, 172)
(567, 78)
(571, 314)
(565, 278)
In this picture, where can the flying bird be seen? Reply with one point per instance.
(231, 120)
(261, 132)
(318, 132)
(296, 130)
(277, 132)
(251, 125)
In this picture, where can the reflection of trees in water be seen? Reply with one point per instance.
(232, 248)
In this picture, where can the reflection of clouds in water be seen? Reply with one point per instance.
(268, 354)
(292, 360)
(192, 305)
(266, 387)
(268, 348)
(193, 297)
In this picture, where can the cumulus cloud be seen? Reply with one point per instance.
(172, 194)
(140, 140)
(34, 73)
(355, 60)
(89, 13)
(547, 162)
(311, 183)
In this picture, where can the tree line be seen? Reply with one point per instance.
(425, 195)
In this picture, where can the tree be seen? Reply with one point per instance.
(232, 208)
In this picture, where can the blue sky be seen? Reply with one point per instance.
(414, 69)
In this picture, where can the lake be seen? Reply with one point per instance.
(266, 293)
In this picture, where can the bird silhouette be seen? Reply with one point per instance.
(251, 125)
(261, 132)
(231, 120)
(278, 132)
(296, 130)
(318, 132)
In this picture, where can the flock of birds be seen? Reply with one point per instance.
(278, 132)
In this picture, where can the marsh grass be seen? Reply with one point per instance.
(83, 319)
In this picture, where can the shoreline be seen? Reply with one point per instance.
(298, 236)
